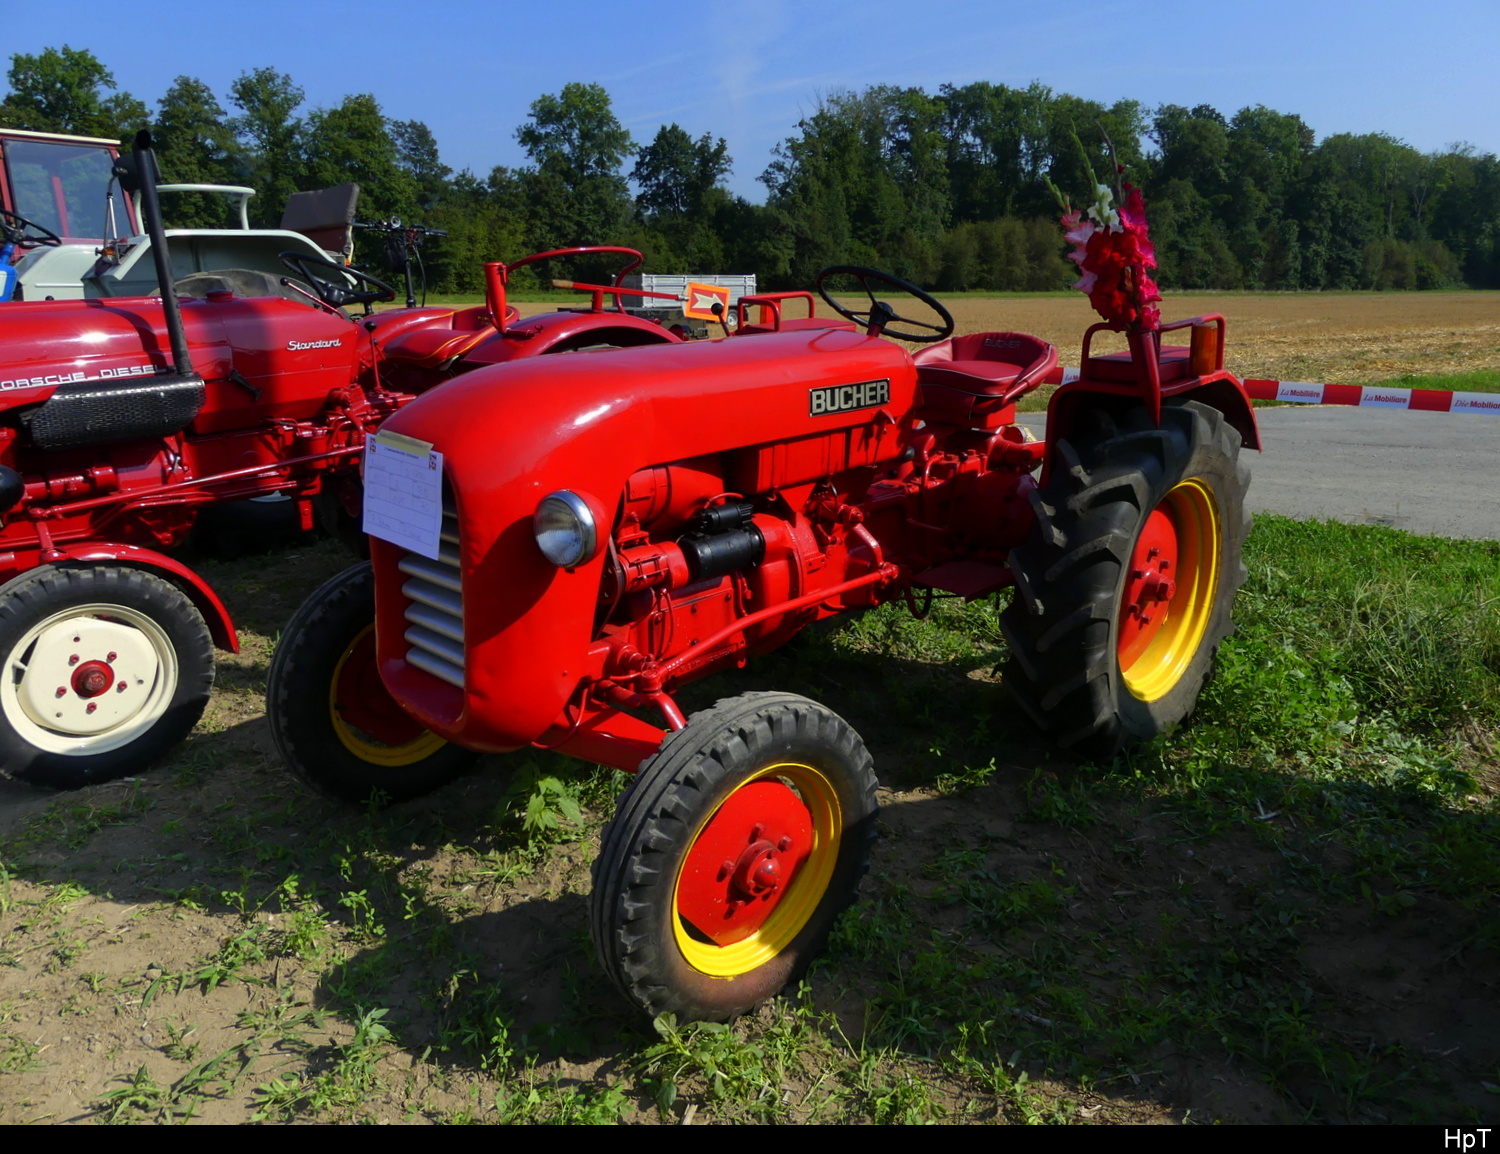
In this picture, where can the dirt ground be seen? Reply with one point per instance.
(136, 932)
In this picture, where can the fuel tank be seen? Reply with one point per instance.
(285, 356)
(585, 422)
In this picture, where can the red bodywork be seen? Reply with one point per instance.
(908, 476)
(868, 474)
(291, 391)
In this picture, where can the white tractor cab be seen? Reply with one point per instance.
(66, 232)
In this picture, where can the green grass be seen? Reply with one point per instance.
(1268, 915)
(1476, 381)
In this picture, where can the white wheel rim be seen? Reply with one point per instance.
(88, 680)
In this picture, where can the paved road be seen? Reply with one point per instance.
(1432, 473)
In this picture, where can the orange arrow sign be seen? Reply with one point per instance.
(701, 299)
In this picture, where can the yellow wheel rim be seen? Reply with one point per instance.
(368, 722)
(1179, 608)
(804, 892)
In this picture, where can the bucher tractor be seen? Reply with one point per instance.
(612, 528)
(122, 418)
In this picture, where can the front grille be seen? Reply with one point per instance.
(435, 606)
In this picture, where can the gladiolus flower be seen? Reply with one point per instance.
(1113, 251)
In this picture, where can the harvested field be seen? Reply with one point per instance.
(1351, 338)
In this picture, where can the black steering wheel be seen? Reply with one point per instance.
(18, 230)
(332, 292)
(879, 316)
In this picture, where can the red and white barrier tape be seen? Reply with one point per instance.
(1363, 396)
(1374, 397)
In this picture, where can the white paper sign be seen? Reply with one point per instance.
(403, 492)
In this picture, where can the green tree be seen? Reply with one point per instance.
(676, 173)
(484, 223)
(864, 182)
(63, 90)
(575, 193)
(272, 136)
(196, 146)
(680, 200)
(996, 141)
(417, 155)
(352, 142)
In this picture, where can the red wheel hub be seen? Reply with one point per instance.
(92, 678)
(364, 703)
(1150, 585)
(743, 862)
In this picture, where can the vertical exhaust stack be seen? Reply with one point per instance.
(94, 412)
(138, 173)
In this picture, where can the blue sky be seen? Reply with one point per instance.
(1427, 74)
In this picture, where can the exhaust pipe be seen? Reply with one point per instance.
(95, 412)
(138, 173)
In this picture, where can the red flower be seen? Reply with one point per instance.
(1114, 263)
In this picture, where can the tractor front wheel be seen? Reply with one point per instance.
(104, 669)
(731, 855)
(1124, 589)
(334, 722)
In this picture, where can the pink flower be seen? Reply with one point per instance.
(1113, 257)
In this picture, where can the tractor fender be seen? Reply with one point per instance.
(197, 590)
(560, 332)
(1070, 404)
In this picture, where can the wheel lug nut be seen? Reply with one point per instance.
(784, 844)
(111, 658)
(91, 707)
(62, 691)
(756, 831)
(726, 867)
(73, 660)
(120, 688)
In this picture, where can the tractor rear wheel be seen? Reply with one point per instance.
(104, 670)
(334, 723)
(731, 855)
(1124, 589)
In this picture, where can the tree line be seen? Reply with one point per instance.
(948, 189)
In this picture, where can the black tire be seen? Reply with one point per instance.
(87, 631)
(318, 735)
(772, 753)
(1094, 659)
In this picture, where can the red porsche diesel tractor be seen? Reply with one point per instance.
(606, 530)
(122, 418)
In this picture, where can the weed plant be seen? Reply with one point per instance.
(1284, 911)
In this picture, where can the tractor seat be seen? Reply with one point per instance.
(1001, 365)
(1173, 363)
(433, 346)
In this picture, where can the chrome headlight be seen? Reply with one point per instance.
(565, 529)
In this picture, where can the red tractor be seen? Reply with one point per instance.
(122, 418)
(606, 531)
